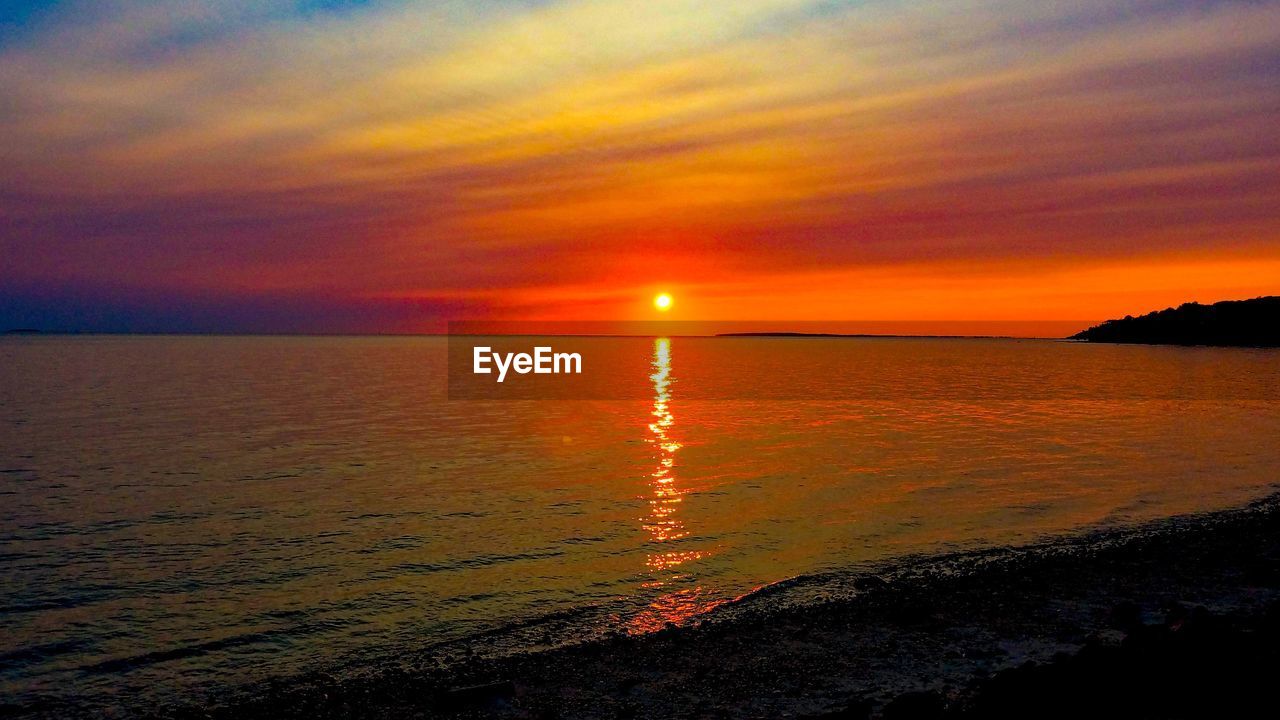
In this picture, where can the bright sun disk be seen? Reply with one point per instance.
(662, 301)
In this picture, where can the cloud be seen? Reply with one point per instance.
(447, 148)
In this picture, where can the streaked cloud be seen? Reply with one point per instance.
(555, 156)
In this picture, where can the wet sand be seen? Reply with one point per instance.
(1179, 618)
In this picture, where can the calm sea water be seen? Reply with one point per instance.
(184, 514)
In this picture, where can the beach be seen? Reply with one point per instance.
(1174, 618)
(594, 359)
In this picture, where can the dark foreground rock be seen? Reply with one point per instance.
(1179, 619)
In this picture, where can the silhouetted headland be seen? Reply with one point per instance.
(1243, 323)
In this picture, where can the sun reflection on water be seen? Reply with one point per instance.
(679, 598)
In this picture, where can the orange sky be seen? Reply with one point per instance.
(388, 166)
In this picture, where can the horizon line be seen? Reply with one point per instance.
(782, 334)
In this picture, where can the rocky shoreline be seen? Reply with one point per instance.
(1179, 618)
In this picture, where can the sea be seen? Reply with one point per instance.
(182, 517)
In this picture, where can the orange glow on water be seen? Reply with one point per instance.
(663, 523)
(665, 497)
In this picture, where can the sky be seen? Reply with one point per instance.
(386, 166)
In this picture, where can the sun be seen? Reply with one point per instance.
(662, 301)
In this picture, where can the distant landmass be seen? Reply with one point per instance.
(782, 334)
(1242, 323)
